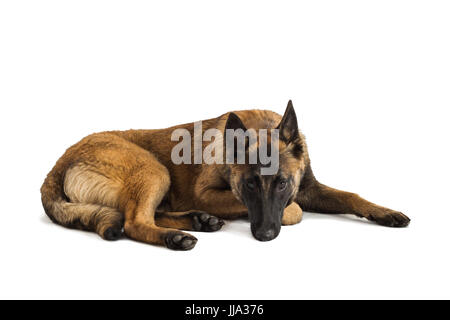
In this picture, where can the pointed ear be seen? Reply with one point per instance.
(288, 126)
(234, 122)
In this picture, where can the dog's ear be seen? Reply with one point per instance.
(288, 126)
(234, 122)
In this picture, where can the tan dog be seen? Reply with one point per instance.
(127, 180)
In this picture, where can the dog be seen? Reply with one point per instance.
(127, 182)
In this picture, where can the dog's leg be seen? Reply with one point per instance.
(292, 214)
(192, 220)
(220, 203)
(316, 197)
(148, 185)
(223, 204)
(140, 225)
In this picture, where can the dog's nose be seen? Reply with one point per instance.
(265, 235)
(269, 234)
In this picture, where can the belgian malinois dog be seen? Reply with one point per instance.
(126, 181)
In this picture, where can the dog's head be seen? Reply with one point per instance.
(267, 195)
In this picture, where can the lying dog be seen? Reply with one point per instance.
(127, 180)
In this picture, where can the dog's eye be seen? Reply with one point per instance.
(250, 185)
(282, 185)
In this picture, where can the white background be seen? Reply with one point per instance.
(370, 83)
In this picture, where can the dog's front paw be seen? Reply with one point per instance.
(180, 241)
(390, 219)
(203, 221)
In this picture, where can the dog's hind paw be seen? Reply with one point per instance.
(113, 233)
(203, 221)
(180, 241)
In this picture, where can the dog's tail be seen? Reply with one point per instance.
(106, 221)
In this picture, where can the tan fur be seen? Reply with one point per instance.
(82, 184)
(292, 214)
